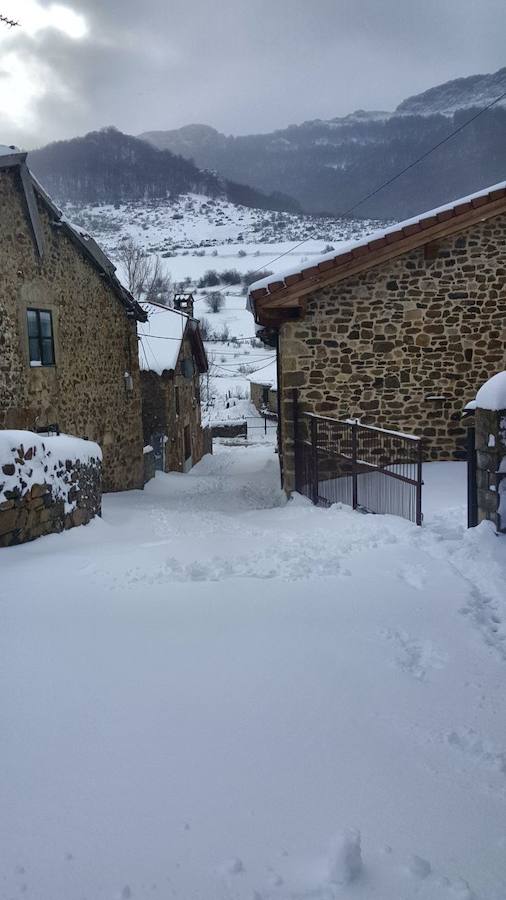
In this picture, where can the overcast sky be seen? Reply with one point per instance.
(240, 65)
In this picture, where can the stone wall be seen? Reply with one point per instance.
(95, 343)
(490, 443)
(404, 345)
(45, 487)
(260, 401)
(162, 412)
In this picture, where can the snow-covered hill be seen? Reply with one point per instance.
(476, 91)
(194, 234)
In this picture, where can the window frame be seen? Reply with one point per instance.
(41, 340)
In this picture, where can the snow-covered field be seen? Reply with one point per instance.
(211, 693)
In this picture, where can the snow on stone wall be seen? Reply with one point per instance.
(47, 484)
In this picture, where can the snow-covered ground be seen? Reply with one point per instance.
(212, 693)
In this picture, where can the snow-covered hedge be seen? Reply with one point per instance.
(47, 483)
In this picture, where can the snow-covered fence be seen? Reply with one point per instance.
(47, 484)
(490, 444)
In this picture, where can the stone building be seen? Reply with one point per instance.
(397, 329)
(172, 359)
(263, 389)
(68, 330)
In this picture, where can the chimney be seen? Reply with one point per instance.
(184, 303)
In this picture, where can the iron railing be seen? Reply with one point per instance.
(341, 461)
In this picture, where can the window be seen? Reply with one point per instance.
(176, 398)
(40, 337)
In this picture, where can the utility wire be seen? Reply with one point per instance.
(391, 180)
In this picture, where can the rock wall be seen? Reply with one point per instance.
(264, 397)
(404, 345)
(47, 484)
(490, 443)
(85, 392)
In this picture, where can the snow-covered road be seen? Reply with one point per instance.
(213, 694)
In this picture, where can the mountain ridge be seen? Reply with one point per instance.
(327, 165)
(110, 166)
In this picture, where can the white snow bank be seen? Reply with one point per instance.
(492, 395)
(160, 338)
(346, 246)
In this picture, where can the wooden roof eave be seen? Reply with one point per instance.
(369, 256)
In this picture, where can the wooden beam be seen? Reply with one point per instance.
(33, 210)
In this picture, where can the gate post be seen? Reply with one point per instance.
(419, 483)
(354, 475)
(314, 461)
(472, 486)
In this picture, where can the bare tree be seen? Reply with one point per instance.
(207, 387)
(145, 277)
(9, 22)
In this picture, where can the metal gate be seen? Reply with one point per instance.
(365, 467)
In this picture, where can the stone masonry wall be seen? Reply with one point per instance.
(159, 412)
(42, 492)
(404, 345)
(257, 397)
(490, 443)
(95, 343)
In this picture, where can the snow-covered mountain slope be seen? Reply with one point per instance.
(461, 93)
(331, 164)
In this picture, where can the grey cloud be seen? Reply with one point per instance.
(252, 65)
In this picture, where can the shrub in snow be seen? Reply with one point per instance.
(231, 276)
(215, 301)
(345, 858)
(209, 279)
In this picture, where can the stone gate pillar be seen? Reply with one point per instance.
(490, 420)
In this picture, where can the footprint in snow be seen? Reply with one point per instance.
(414, 575)
(415, 656)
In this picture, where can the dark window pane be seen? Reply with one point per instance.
(47, 352)
(34, 350)
(45, 324)
(33, 323)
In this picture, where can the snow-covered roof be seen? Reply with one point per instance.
(8, 151)
(160, 338)
(492, 395)
(374, 241)
(267, 376)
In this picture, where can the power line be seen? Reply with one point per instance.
(390, 181)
